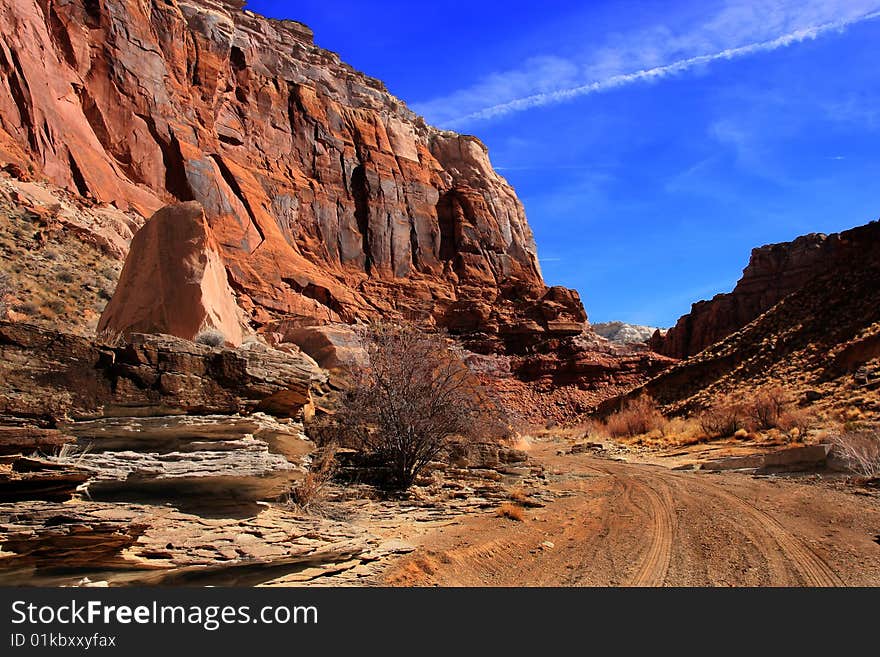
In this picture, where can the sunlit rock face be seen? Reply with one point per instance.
(329, 199)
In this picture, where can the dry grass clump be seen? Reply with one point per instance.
(519, 496)
(639, 416)
(683, 431)
(310, 494)
(110, 337)
(210, 338)
(511, 512)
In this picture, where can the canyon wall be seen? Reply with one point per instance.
(774, 271)
(330, 200)
(820, 341)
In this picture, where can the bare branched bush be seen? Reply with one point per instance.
(638, 416)
(766, 407)
(724, 417)
(412, 398)
(860, 450)
(310, 493)
(211, 338)
(796, 421)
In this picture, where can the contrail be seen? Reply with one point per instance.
(658, 72)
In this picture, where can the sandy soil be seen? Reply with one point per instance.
(614, 523)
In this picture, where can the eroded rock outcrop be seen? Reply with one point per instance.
(63, 544)
(51, 377)
(174, 281)
(157, 420)
(820, 342)
(329, 198)
(774, 271)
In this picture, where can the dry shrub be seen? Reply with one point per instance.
(796, 421)
(765, 409)
(310, 494)
(724, 417)
(210, 338)
(638, 416)
(860, 450)
(414, 396)
(511, 512)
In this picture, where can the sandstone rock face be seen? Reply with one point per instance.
(820, 342)
(774, 271)
(329, 199)
(174, 280)
(335, 348)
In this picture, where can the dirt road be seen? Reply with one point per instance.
(615, 523)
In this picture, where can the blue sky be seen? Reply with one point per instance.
(653, 144)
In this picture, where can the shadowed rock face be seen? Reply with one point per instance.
(774, 271)
(821, 341)
(329, 199)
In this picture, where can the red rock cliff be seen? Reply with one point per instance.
(329, 198)
(774, 271)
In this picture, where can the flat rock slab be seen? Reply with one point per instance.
(46, 543)
(808, 457)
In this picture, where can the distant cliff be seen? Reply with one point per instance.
(624, 333)
(774, 271)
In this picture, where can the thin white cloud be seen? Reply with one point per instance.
(549, 80)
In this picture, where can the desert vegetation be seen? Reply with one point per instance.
(403, 409)
(637, 417)
(767, 411)
(210, 338)
(5, 288)
(860, 450)
(310, 495)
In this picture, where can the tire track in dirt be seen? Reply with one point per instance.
(655, 565)
(802, 558)
(652, 571)
(634, 524)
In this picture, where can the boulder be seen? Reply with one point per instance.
(334, 348)
(174, 281)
